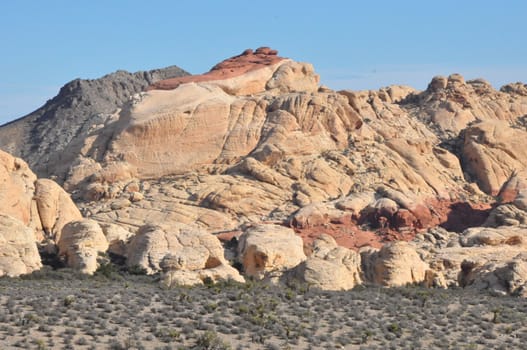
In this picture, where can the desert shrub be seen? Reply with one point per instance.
(136, 270)
(211, 341)
(108, 270)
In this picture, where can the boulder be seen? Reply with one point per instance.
(184, 254)
(18, 249)
(395, 264)
(506, 215)
(479, 236)
(316, 214)
(80, 244)
(174, 273)
(507, 277)
(269, 250)
(40, 204)
(117, 237)
(17, 189)
(356, 203)
(330, 267)
(55, 208)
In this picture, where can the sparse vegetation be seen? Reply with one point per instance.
(49, 310)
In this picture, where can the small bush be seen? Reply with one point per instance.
(211, 341)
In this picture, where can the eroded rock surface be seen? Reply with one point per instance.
(80, 244)
(267, 251)
(18, 249)
(395, 264)
(330, 267)
(185, 254)
(32, 211)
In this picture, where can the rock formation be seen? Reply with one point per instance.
(80, 244)
(395, 264)
(32, 211)
(186, 255)
(267, 251)
(18, 249)
(330, 267)
(256, 151)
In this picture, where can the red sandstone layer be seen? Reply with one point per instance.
(247, 61)
(403, 225)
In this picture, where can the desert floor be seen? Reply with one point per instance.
(65, 310)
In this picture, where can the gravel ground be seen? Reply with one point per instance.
(65, 310)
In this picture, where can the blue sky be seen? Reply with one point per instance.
(352, 44)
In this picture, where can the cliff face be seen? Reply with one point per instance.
(257, 141)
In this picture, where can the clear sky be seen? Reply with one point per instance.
(352, 44)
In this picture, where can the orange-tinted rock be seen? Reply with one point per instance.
(404, 218)
(235, 66)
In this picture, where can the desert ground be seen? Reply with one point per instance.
(113, 310)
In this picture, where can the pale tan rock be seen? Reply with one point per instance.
(316, 214)
(506, 277)
(292, 77)
(136, 197)
(269, 250)
(117, 237)
(81, 171)
(266, 143)
(18, 249)
(55, 208)
(17, 189)
(395, 264)
(185, 254)
(482, 250)
(244, 152)
(494, 236)
(492, 150)
(41, 204)
(451, 103)
(330, 267)
(173, 275)
(80, 244)
(356, 203)
(385, 207)
(120, 204)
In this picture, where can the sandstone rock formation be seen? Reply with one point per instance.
(395, 264)
(32, 211)
(456, 259)
(267, 251)
(186, 255)
(330, 267)
(18, 250)
(55, 208)
(493, 150)
(80, 244)
(503, 277)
